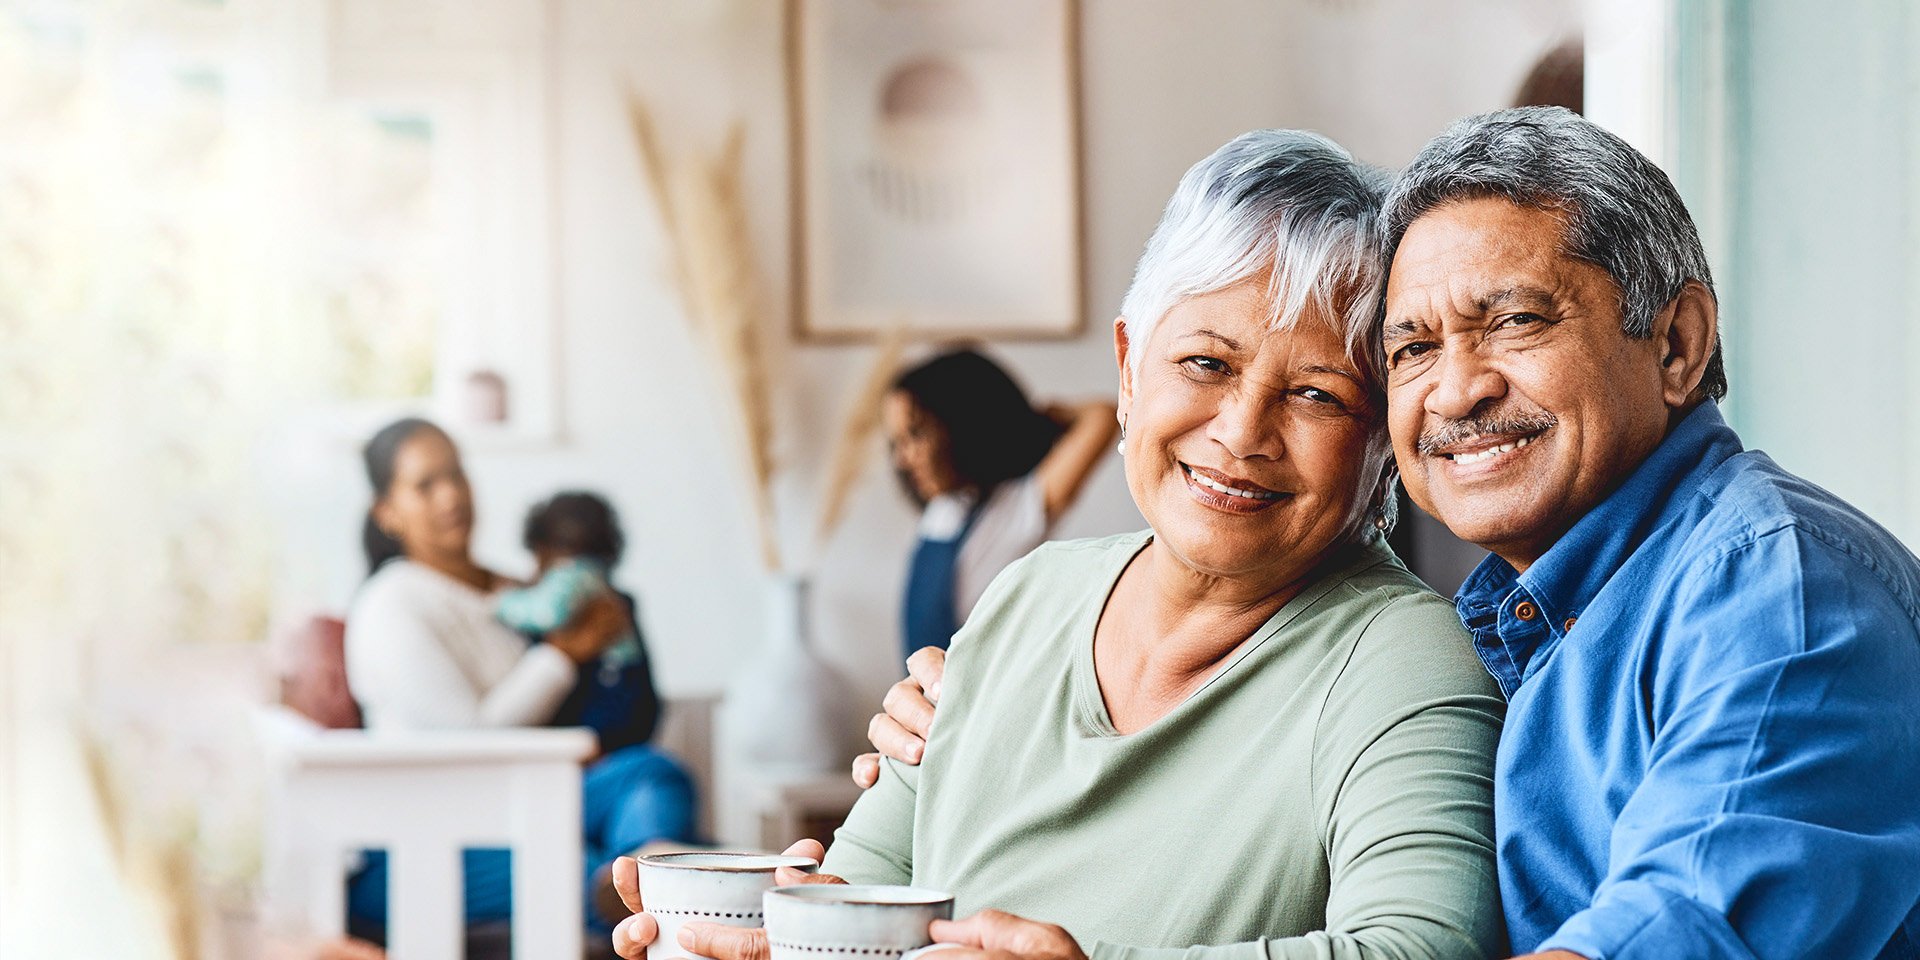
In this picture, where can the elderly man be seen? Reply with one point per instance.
(1712, 746)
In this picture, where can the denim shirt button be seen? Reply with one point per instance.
(1525, 610)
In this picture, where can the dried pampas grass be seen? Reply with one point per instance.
(157, 865)
(724, 292)
(653, 164)
(851, 450)
(703, 209)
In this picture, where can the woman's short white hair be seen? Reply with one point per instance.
(1288, 205)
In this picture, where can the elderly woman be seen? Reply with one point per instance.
(1248, 725)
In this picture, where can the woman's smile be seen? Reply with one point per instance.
(1228, 493)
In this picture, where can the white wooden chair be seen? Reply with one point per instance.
(425, 797)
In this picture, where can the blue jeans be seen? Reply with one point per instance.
(628, 797)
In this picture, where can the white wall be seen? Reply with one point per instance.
(1790, 130)
(1163, 84)
(1821, 282)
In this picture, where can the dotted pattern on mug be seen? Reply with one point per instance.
(706, 913)
(817, 948)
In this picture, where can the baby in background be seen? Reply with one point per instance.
(576, 540)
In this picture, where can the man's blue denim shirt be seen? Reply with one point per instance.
(1712, 745)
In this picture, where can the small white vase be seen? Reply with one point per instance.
(783, 718)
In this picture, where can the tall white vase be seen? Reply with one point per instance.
(784, 717)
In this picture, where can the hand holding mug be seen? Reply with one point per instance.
(1000, 936)
(633, 936)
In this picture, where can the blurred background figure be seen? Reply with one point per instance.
(1558, 79)
(991, 474)
(576, 541)
(427, 649)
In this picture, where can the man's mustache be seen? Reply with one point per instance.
(1494, 423)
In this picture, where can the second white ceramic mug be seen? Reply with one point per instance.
(841, 922)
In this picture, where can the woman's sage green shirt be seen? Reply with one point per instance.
(1328, 793)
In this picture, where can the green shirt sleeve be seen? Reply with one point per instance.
(1404, 775)
(875, 844)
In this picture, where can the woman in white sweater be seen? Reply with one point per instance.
(424, 651)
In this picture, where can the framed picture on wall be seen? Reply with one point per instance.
(936, 180)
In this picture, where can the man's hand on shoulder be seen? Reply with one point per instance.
(900, 731)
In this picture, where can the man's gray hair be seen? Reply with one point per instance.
(1622, 212)
(1292, 207)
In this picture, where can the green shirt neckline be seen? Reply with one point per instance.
(1094, 724)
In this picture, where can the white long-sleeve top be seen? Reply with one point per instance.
(424, 651)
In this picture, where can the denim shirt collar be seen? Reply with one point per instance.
(1513, 616)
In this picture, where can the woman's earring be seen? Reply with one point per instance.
(1123, 437)
(1380, 522)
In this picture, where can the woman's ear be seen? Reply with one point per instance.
(1687, 331)
(1120, 348)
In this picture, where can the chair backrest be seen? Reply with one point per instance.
(313, 674)
(424, 797)
(686, 732)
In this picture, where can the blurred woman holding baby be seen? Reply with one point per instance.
(436, 641)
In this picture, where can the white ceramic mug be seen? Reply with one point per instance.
(682, 888)
(840, 922)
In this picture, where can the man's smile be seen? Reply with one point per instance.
(1481, 449)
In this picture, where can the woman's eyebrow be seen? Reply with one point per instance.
(1335, 371)
(1229, 342)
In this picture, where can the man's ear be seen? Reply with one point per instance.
(1687, 330)
(1120, 348)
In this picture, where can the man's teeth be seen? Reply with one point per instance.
(1231, 491)
(1491, 452)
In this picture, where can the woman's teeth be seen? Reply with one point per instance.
(1491, 452)
(1231, 491)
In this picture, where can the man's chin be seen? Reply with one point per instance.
(1487, 525)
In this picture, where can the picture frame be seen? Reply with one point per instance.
(935, 169)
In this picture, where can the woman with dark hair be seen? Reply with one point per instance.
(425, 650)
(991, 474)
